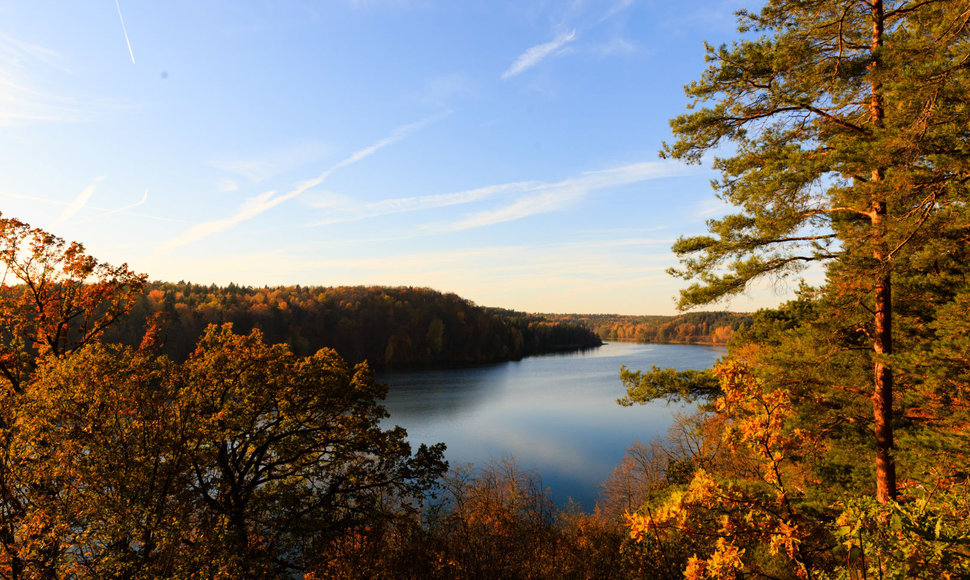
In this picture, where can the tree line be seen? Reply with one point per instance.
(711, 328)
(389, 327)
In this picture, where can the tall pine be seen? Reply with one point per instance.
(840, 129)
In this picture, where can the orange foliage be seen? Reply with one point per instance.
(727, 519)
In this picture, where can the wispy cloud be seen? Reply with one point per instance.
(592, 259)
(81, 202)
(531, 197)
(126, 208)
(337, 211)
(255, 206)
(16, 52)
(267, 164)
(104, 211)
(710, 208)
(534, 204)
(21, 99)
(251, 208)
(616, 8)
(617, 45)
(539, 53)
(226, 185)
(75, 206)
(549, 197)
(397, 135)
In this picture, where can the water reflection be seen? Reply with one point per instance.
(555, 414)
(441, 393)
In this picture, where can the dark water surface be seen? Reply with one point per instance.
(555, 414)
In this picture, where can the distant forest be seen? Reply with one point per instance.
(714, 328)
(390, 327)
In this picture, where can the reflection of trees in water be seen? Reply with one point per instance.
(440, 393)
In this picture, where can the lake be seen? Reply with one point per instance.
(554, 414)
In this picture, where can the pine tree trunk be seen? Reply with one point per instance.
(882, 394)
(882, 344)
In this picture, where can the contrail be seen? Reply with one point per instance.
(125, 31)
(77, 205)
(268, 200)
(120, 209)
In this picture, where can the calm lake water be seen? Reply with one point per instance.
(554, 414)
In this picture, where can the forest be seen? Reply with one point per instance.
(831, 442)
(710, 328)
(388, 327)
(245, 459)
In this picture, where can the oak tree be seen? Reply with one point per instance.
(54, 300)
(285, 453)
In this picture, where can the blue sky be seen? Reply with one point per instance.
(504, 151)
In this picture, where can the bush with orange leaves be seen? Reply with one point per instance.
(745, 516)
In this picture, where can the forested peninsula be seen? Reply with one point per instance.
(389, 327)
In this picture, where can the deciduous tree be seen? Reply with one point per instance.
(243, 461)
(286, 453)
(54, 300)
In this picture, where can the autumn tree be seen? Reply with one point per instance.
(839, 128)
(245, 461)
(101, 444)
(54, 300)
(389, 327)
(748, 512)
(286, 453)
(116, 462)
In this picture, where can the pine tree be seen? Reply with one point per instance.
(840, 129)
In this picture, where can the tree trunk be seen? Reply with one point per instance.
(882, 394)
(882, 343)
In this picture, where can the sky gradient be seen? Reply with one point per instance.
(503, 151)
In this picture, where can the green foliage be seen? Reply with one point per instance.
(848, 144)
(839, 130)
(669, 384)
